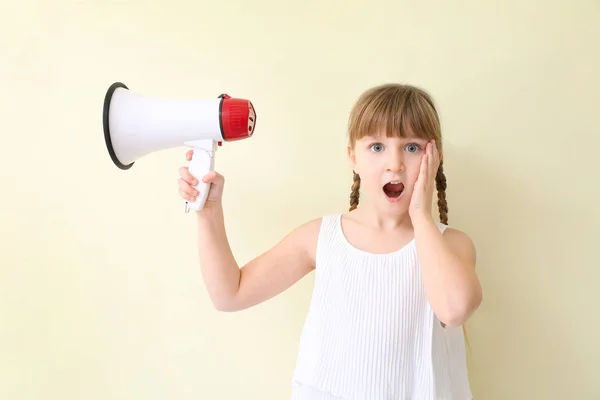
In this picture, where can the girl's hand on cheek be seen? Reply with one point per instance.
(422, 196)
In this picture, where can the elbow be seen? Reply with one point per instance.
(229, 304)
(224, 306)
(459, 313)
(453, 320)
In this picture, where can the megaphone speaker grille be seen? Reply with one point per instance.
(105, 122)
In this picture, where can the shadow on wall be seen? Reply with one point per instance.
(528, 339)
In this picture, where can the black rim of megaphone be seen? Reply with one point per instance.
(105, 122)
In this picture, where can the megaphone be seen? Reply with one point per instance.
(136, 125)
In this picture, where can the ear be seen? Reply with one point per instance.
(351, 156)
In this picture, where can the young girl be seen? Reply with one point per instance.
(393, 287)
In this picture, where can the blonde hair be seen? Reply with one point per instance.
(397, 110)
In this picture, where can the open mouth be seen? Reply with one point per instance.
(393, 189)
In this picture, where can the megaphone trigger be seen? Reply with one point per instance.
(203, 161)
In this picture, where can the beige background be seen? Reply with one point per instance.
(101, 295)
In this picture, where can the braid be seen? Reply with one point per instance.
(440, 183)
(355, 193)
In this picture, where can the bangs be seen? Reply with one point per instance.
(394, 111)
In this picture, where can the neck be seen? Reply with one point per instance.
(383, 220)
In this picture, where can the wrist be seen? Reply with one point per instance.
(421, 219)
(210, 213)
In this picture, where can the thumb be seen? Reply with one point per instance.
(216, 188)
(213, 177)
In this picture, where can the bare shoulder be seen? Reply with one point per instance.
(461, 244)
(305, 237)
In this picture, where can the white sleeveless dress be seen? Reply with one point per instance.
(370, 333)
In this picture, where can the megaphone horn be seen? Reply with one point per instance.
(137, 125)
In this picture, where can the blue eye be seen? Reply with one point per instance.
(412, 148)
(377, 147)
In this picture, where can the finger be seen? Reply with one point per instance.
(185, 187)
(209, 177)
(431, 156)
(189, 154)
(213, 177)
(186, 196)
(423, 170)
(185, 174)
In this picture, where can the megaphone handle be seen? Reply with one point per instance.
(203, 161)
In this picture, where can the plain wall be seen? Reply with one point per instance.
(100, 289)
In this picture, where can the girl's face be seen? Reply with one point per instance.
(388, 169)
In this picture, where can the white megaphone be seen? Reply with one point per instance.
(136, 125)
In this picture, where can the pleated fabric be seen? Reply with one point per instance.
(370, 333)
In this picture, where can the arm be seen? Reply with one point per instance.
(232, 288)
(448, 267)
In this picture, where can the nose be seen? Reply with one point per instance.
(395, 162)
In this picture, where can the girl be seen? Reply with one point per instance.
(392, 286)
